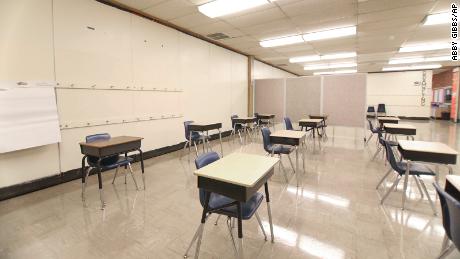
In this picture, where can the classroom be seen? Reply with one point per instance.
(257, 129)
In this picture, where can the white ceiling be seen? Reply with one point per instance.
(383, 26)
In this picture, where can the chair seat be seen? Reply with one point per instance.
(415, 169)
(248, 208)
(107, 165)
(281, 149)
(197, 135)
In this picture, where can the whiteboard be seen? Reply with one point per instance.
(28, 115)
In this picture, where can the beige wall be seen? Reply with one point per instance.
(123, 50)
(399, 94)
(264, 71)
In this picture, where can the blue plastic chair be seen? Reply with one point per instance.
(216, 201)
(106, 163)
(277, 150)
(450, 209)
(196, 138)
(288, 123)
(415, 170)
(374, 130)
(371, 112)
(381, 110)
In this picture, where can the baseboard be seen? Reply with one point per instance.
(414, 118)
(49, 181)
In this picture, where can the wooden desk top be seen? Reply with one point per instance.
(239, 169)
(111, 142)
(322, 116)
(200, 123)
(454, 180)
(427, 147)
(311, 120)
(398, 126)
(245, 118)
(294, 134)
(266, 115)
(388, 118)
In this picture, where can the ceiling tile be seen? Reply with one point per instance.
(171, 9)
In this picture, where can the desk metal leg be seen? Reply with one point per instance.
(141, 157)
(240, 230)
(221, 147)
(190, 145)
(297, 164)
(204, 143)
(99, 178)
(406, 178)
(83, 178)
(203, 221)
(267, 199)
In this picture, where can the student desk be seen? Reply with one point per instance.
(400, 129)
(428, 152)
(105, 148)
(453, 186)
(310, 123)
(244, 121)
(269, 118)
(237, 176)
(204, 128)
(386, 119)
(291, 138)
(322, 117)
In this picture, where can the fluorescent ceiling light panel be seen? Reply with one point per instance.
(322, 57)
(438, 18)
(419, 67)
(417, 60)
(281, 41)
(329, 34)
(304, 59)
(328, 66)
(351, 71)
(338, 55)
(223, 7)
(424, 47)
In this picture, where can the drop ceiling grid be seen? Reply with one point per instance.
(383, 26)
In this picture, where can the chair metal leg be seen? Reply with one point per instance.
(428, 196)
(446, 251)
(230, 231)
(369, 138)
(417, 182)
(132, 175)
(183, 150)
(395, 183)
(115, 175)
(377, 152)
(383, 178)
(284, 170)
(217, 220)
(292, 165)
(198, 232)
(83, 185)
(196, 149)
(261, 226)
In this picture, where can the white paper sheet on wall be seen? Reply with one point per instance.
(28, 115)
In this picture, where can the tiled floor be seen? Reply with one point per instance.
(335, 214)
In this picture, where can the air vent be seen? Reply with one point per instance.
(217, 36)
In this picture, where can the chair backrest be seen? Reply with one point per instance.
(202, 161)
(453, 206)
(381, 107)
(266, 138)
(370, 109)
(288, 123)
(187, 132)
(96, 137)
(444, 208)
(233, 121)
(391, 157)
(107, 160)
